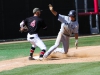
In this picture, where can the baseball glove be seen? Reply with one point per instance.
(24, 29)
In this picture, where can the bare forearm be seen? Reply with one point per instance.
(54, 12)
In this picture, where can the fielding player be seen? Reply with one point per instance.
(34, 24)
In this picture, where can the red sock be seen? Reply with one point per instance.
(31, 52)
(42, 53)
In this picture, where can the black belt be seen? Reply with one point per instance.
(31, 37)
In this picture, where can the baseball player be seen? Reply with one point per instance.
(69, 25)
(34, 24)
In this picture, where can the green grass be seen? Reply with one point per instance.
(15, 50)
(57, 69)
(87, 41)
(9, 51)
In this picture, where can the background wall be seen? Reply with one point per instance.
(12, 12)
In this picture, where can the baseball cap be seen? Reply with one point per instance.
(36, 9)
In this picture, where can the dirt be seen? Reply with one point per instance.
(82, 54)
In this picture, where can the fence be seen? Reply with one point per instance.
(14, 11)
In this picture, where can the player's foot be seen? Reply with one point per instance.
(45, 55)
(41, 57)
(31, 58)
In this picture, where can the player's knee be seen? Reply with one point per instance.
(44, 48)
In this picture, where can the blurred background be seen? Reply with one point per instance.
(12, 12)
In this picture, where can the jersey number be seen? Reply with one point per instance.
(33, 23)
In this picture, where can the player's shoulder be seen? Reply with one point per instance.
(28, 18)
(35, 18)
(76, 22)
(40, 19)
(67, 17)
(63, 15)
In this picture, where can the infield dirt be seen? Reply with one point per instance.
(82, 54)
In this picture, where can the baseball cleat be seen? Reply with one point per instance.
(40, 59)
(30, 58)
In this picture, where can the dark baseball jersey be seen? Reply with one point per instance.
(34, 24)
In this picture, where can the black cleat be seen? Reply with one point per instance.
(30, 58)
(41, 57)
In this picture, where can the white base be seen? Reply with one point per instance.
(36, 57)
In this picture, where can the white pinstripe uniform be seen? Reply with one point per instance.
(67, 28)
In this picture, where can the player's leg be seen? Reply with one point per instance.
(41, 45)
(58, 40)
(31, 40)
(65, 42)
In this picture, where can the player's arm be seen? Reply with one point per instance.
(60, 17)
(76, 40)
(52, 10)
(76, 36)
(23, 27)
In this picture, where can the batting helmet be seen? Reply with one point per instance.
(72, 13)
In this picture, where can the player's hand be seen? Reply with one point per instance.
(50, 7)
(21, 30)
(76, 44)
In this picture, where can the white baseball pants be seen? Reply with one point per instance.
(36, 41)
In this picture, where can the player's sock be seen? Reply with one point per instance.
(42, 53)
(32, 51)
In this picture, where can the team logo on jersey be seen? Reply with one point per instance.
(33, 23)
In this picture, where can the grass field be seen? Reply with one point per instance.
(15, 50)
(57, 69)
(9, 51)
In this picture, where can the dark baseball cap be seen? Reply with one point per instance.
(36, 9)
